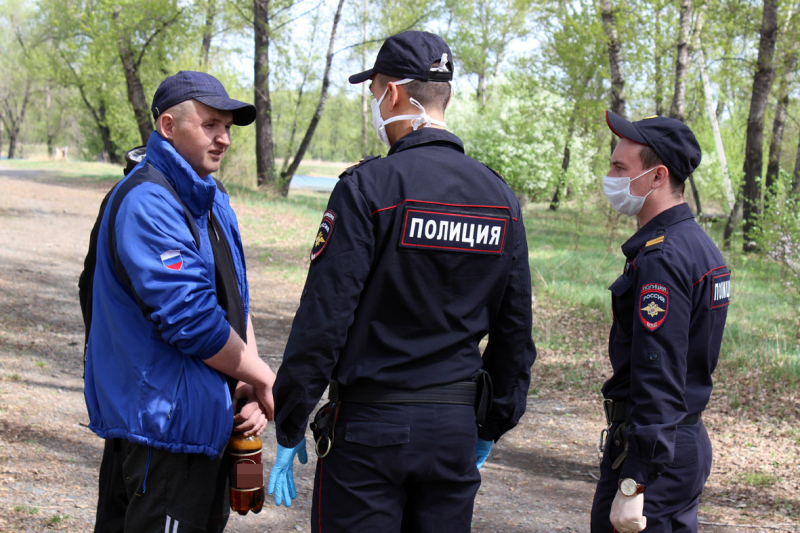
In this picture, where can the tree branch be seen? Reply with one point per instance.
(381, 39)
(153, 36)
(276, 28)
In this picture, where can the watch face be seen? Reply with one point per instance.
(628, 487)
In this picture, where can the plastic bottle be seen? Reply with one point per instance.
(247, 472)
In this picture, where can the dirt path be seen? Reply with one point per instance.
(539, 478)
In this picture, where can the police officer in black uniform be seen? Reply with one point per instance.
(670, 305)
(419, 256)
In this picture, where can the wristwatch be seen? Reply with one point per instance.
(629, 487)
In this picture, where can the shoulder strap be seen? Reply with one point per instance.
(146, 174)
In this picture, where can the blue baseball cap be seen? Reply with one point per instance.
(411, 54)
(671, 140)
(206, 89)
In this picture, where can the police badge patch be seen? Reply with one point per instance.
(653, 305)
(323, 234)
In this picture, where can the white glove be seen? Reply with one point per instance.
(626, 513)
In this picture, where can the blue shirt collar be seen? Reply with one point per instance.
(196, 192)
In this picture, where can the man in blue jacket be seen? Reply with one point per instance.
(171, 344)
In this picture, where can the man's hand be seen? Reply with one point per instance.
(626, 513)
(281, 478)
(251, 419)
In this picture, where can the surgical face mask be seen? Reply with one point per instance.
(618, 192)
(379, 124)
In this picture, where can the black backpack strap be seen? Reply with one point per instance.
(146, 174)
(86, 280)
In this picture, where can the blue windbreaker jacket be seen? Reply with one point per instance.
(145, 379)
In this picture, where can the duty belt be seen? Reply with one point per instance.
(617, 411)
(620, 412)
(459, 393)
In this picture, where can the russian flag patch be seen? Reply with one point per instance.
(172, 259)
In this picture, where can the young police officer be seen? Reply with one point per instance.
(418, 257)
(670, 305)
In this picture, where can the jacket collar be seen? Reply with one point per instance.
(426, 136)
(657, 226)
(196, 192)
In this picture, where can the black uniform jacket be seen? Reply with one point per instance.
(418, 257)
(670, 306)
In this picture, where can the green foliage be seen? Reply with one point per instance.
(23, 508)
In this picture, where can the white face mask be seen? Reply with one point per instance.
(618, 192)
(416, 120)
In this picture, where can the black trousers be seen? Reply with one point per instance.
(671, 502)
(398, 467)
(145, 490)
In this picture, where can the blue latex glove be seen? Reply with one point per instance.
(281, 478)
(482, 450)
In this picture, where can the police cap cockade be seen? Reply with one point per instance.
(206, 89)
(411, 54)
(671, 140)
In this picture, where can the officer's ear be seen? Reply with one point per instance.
(660, 176)
(166, 125)
(393, 95)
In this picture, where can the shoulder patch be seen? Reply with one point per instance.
(434, 229)
(349, 170)
(721, 290)
(324, 234)
(653, 305)
(654, 244)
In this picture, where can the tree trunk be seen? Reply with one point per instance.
(265, 155)
(762, 81)
(141, 109)
(713, 116)
(677, 109)
(286, 177)
(48, 121)
(615, 64)
(774, 158)
(15, 123)
(105, 133)
(554, 203)
(208, 31)
(658, 77)
(796, 177)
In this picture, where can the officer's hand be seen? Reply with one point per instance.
(626, 513)
(251, 418)
(482, 450)
(281, 479)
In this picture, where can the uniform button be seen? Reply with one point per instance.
(652, 356)
(617, 443)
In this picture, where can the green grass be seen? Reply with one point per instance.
(757, 479)
(40, 364)
(57, 519)
(22, 508)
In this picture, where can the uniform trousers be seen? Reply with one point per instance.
(398, 468)
(145, 490)
(671, 502)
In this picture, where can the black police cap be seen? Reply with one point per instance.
(206, 89)
(411, 54)
(671, 140)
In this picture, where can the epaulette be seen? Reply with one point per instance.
(349, 170)
(655, 244)
(496, 173)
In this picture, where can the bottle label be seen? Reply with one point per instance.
(247, 472)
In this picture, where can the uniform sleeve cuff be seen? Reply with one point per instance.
(643, 474)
